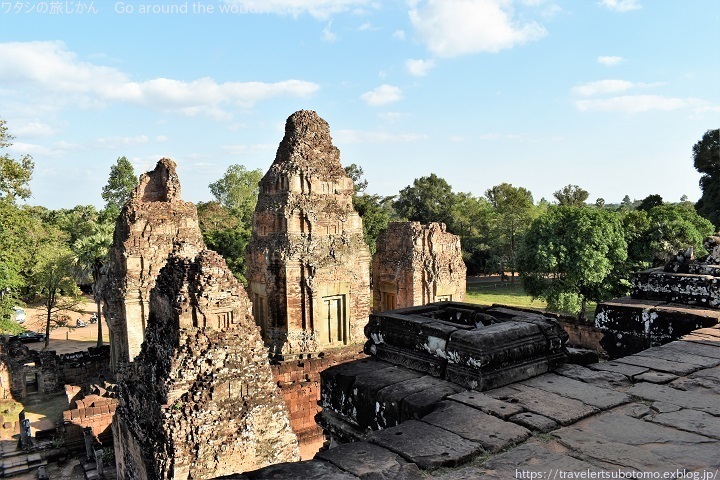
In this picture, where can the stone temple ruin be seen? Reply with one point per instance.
(415, 265)
(425, 354)
(665, 303)
(307, 263)
(200, 400)
(154, 219)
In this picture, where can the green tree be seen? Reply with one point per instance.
(706, 158)
(668, 229)
(569, 256)
(121, 182)
(355, 172)
(513, 211)
(473, 219)
(626, 203)
(428, 199)
(52, 279)
(600, 202)
(15, 175)
(16, 225)
(225, 233)
(238, 191)
(649, 202)
(376, 212)
(91, 254)
(571, 195)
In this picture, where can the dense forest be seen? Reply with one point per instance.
(568, 250)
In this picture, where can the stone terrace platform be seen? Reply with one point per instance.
(656, 411)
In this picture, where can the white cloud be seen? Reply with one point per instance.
(419, 68)
(610, 61)
(328, 35)
(35, 150)
(399, 34)
(50, 74)
(639, 103)
(457, 27)
(621, 5)
(115, 142)
(161, 138)
(317, 8)
(367, 26)
(33, 130)
(602, 87)
(363, 136)
(382, 95)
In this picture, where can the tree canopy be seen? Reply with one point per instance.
(15, 175)
(571, 195)
(428, 199)
(120, 185)
(706, 158)
(238, 191)
(513, 212)
(569, 256)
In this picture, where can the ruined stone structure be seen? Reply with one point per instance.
(425, 354)
(665, 303)
(25, 372)
(153, 220)
(415, 265)
(307, 263)
(200, 400)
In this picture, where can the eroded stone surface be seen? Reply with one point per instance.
(370, 462)
(558, 408)
(690, 421)
(601, 398)
(426, 445)
(490, 432)
(152, 222)
(594, 377)
(487, 404)
(307, 263)
(200, 399)
(659, 364)
(416, 264)
(314, 469)
(535, 422)
(706, 402)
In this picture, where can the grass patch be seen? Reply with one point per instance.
(512, 294)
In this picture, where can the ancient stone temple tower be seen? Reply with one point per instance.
(200, 400)
(150, 223)
(307, 263)
(415, 265)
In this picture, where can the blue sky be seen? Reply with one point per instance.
(606, 94)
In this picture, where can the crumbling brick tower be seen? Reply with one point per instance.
(150, 223)
(200, 400)
(415, 265)
(307, 263)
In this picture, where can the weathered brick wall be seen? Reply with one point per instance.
(154, 219)
(417, 264)
(307, 262)
(92, 411)
(299, 382)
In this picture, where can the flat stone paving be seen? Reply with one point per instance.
(657, 412)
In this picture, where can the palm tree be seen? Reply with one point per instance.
(90, 257)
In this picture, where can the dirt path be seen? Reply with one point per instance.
(67, 339)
